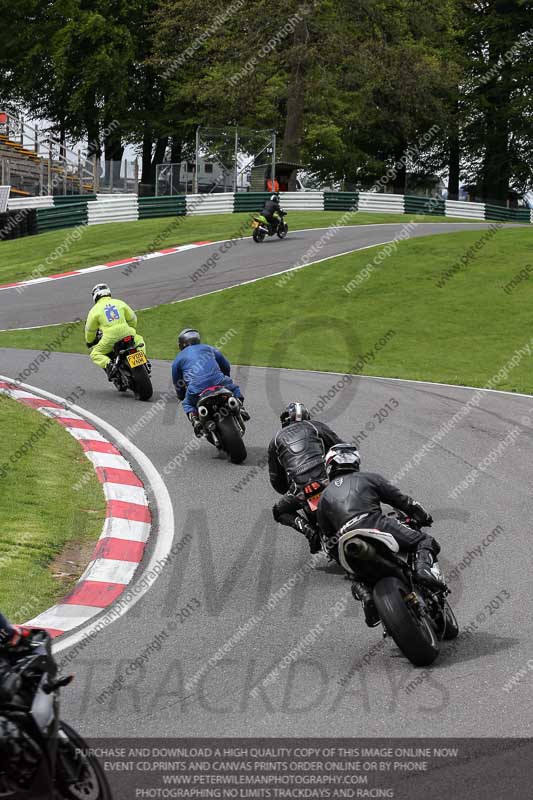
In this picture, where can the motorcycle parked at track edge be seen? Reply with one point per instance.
(262, 228)
(415, 617)
(219, 412)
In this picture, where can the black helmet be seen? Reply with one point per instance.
(275, 197)
(295, 412)
(188, 336)
(342, 457)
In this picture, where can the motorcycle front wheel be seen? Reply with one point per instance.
(91, 782)
(283, 230)
(413, 633)
(451, 626)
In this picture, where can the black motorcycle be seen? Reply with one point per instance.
(131, 369)
(41, 757)
(262, 228)
(219, 412)
(415, 617)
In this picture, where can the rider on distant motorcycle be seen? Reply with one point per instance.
(196, 367)
(295, 459)
(115, 319)
(353, 500)
(272, 211)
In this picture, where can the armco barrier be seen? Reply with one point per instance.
(499, 213)
(113, 208)
(379, 201)
(424, 205)
(302, 201)
(250, 201)
(461, 208)
(98, 209)
(68, 199)
(210, 203)
(30, 202)
(167, 206)
(341, 201)
(65, 216)
(521, 214)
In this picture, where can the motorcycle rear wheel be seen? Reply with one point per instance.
(94, 785)
(143, 389)
(231, 439)
(258, 235)
(413, 635)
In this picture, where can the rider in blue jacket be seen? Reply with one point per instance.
(196, 367)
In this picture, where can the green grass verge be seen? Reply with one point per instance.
(42, 511)
(461, 333)
(57, 251)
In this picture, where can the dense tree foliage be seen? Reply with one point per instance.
(354, 88)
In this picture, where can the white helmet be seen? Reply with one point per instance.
(100, 290)
(342, 457)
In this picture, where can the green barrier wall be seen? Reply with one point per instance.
(250, 201)
(64, 216)
(167, 206)
(341, 201)
(424, 205)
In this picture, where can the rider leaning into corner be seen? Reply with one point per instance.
(115, 319)
(296, 459)
(353, 500)
(196, 367)
(272, 210)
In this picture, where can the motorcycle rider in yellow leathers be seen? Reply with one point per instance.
(115, 319)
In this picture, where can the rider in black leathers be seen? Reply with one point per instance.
(295, 459)
(270, 209)
(353, 500)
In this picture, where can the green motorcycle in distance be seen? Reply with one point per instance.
(261, 227)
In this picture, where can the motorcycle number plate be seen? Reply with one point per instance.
(137, 359)
(255, 224)
(312, 502)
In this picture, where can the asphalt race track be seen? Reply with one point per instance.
(196, 655)
(169, 278)
(238, 558)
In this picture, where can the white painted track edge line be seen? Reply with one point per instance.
(505, 392)
(165, 518)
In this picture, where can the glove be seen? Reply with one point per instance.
(420, 515)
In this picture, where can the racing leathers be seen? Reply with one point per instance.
(295, 459)
(197, 367)
(272, 212)
(353, 500)
(116, 320)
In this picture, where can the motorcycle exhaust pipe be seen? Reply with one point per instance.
(233, 404)
(202, 411)
(361, 550)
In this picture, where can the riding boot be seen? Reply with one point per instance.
(110, 371)
(423, 563)
(361, 592)
(196, 424)
(312, 536)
